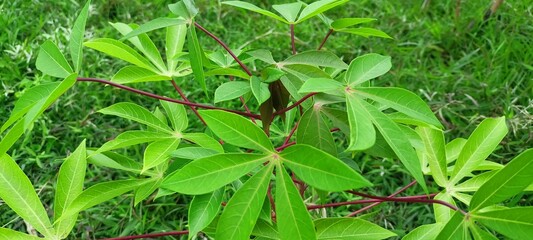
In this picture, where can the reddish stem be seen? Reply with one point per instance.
(288, 138)
(166, 98)
(225, 47)
(377, 203)
(409, 200)
(296, 104)
(364, 201)
(150, 235)
(280, 148)
(292, 40)
(231, 78)
(325, 39)
(187, 100)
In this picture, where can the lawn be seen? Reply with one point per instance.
(467, 70)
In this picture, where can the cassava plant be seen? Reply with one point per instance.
(260, 171)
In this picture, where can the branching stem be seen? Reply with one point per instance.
(187, 100)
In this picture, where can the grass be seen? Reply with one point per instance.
(464, 68)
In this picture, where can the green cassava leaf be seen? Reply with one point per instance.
(443, 214)
(397, 140)
(145, 190)
(454, 229)
(367, 67)
(294, 221)
(175, 39)
(350, 228)
(76, 37)
(231, 90)
(196, 56)
(362, 133)
(428, 231)
(515, 223)
(435, 152)
(193, 153)
(227, 72)
(254, 8)
(133, 137)
(509, 181)
(321, 170)
(263, 55)
(159, 152)
(153, 25)
(320, 85)
(316, 58)
(314, 131)
(177, 115)
(6, 233)
(480, 144)
(339, 118)
(401, 100)
(240, 214)
(207, 174)
(184, 9)
(203, 140)
(318, 7)
(69, 185)
(289, 11)
(474, 183)
(480, 234)
(265, 229)
(121, 51)
(113, 160)
(348, 22)
(134, 74)
(366, 32)
(203, 210)
(99, 193)
(236, 130)
(18, 193)
(52, 62)
(136, 113)
(453, 148)
(259, 89)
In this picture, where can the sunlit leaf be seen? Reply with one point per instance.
(259, 90)
(320, 85)
(367, 67)
(254, 8)
(366, 32)
(196, 56)
(515, 223)
(318, 7)
(52, 62)
(176, 114)
(153, 25)
(119, 50)
(350, 228)
(231, 90)
(76, 37)
(435, 153)
(362, 133)
(136, 113)
(289, 10)
(159, 152)
(313, 130)
(429, 231)
(316, 58)
(203, 209)
(134, 74)
(348, 22)
(454, 229)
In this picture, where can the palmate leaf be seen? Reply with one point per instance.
(240, 214)
(203, 210)
(402, 101)
(348, 22)
(480, 234)
(316, 58)
(131, 138)
(263, 55)
(366, 32)
(443, 214)
(114, 160)
(429, 231)
(320, 85)
(6, 233)
(175, 39)
(204, 140)
(121, 51)
(143, 43)
(69, 185)
(18, 193)
(176, 114)
(454, 229)
(397, 140)
(313, 130)
(362, 133)
(99, 193)
(193, 153)
(76, 37)
(196, 56)
(294, 221)
(136, 113)
(318, 7)
(227, 72)
(259, 90)
(321, 170)
(254, 8)
(236, 130)
(265, 230)
(480, 144)
(231, 90)
(453, 148)
(184, 9)
(52, 62)
(435, 152)
(509, 181)
(207, 174)
(473, 184)
(153, 25)
(515, 223)
(147, 189)
(289, 11)
(367, 67)
(158, 152)
(134, 74)
(350, 228)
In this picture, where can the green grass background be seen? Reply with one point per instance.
(466, 69)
